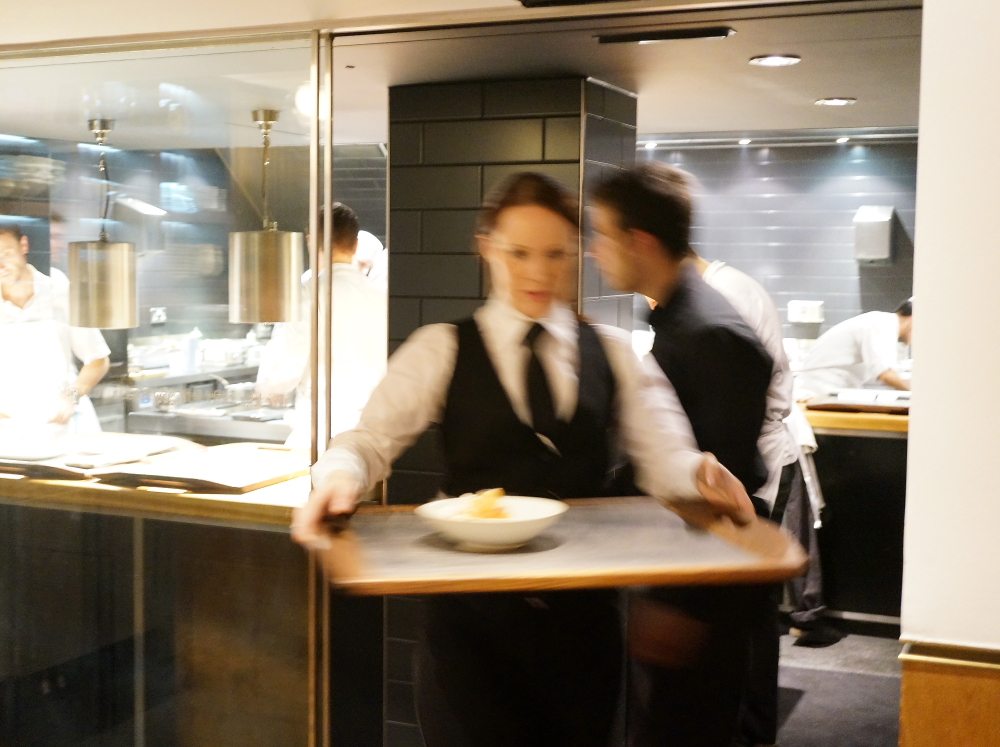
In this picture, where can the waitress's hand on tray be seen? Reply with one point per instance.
(723, 492)
(335, 500)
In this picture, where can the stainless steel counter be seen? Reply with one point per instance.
(207, 427)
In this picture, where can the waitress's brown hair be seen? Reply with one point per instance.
(527, 188)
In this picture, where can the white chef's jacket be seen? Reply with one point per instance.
(777, 444)
(654, 430)
(359, 339)
(850, 354)
(38, 348)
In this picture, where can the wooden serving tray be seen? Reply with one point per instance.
(599, 543)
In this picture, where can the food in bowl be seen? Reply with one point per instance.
(485, 504)
(527, 517)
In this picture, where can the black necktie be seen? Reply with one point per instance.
(543, 412)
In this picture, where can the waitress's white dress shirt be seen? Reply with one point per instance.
(654, 431)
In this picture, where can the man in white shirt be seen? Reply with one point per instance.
(359, 335)
(859, 350)
(39, 382)
(785, 492)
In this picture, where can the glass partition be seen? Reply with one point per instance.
(183, 170)
(132, 612)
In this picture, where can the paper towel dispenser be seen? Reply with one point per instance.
(873, 238)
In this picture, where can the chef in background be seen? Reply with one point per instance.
(39, 382)
(372, 259)
(859, 350)
(359, 337)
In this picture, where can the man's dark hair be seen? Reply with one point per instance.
(527, 188)
(345, 226)
(654, 198)
(905, 308)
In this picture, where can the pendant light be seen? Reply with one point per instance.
(265, 266)
(102, 273)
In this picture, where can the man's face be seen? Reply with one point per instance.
(13, 257)
(614, 249)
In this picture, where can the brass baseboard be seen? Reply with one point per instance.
(950, 656)
(950, 695)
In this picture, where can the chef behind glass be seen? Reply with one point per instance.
(39, 382)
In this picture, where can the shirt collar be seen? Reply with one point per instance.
(560, 322)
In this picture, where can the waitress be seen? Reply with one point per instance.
(39, 383)
(532, 399)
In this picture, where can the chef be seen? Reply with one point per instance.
(39, 382)
(857, 351)
(359, 334)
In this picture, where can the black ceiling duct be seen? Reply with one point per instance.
(648, 37)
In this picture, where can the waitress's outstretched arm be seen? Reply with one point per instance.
(406, 402)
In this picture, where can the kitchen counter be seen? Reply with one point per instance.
(861, 465)
(862, 424)
(268, 507)
(205, 427)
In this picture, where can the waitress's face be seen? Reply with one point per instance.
(530, 255)
(12, 257)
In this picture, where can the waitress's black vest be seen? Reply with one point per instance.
(487, 446)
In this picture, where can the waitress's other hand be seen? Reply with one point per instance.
(336, 497)
(723, 492)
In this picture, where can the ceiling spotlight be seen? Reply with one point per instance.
(842, 140)
(650, 145)
(775, 60)
(651, 37)
(744, 141)
(837, 101)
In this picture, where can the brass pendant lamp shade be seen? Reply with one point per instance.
(265, 266)
(102, 273)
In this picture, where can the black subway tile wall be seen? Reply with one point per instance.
(609, 145)
(784, 216)
(449, 144)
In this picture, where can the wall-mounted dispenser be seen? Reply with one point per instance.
(873, 233)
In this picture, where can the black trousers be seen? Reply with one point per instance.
(692, 693)
(506, 670)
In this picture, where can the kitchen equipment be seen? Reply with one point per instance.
(101, 273)
(527, 518)
(265, 266)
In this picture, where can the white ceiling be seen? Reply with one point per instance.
(202, 96)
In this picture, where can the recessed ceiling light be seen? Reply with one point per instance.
(651, 145)
(745, 141)
(651, 37)
(775, 60)
(837, 101)
(842, 140)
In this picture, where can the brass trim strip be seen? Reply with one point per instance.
(950, 656)
(314, 198)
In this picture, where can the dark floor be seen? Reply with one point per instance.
(844, 695)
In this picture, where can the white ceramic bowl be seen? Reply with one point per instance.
(527, 518)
